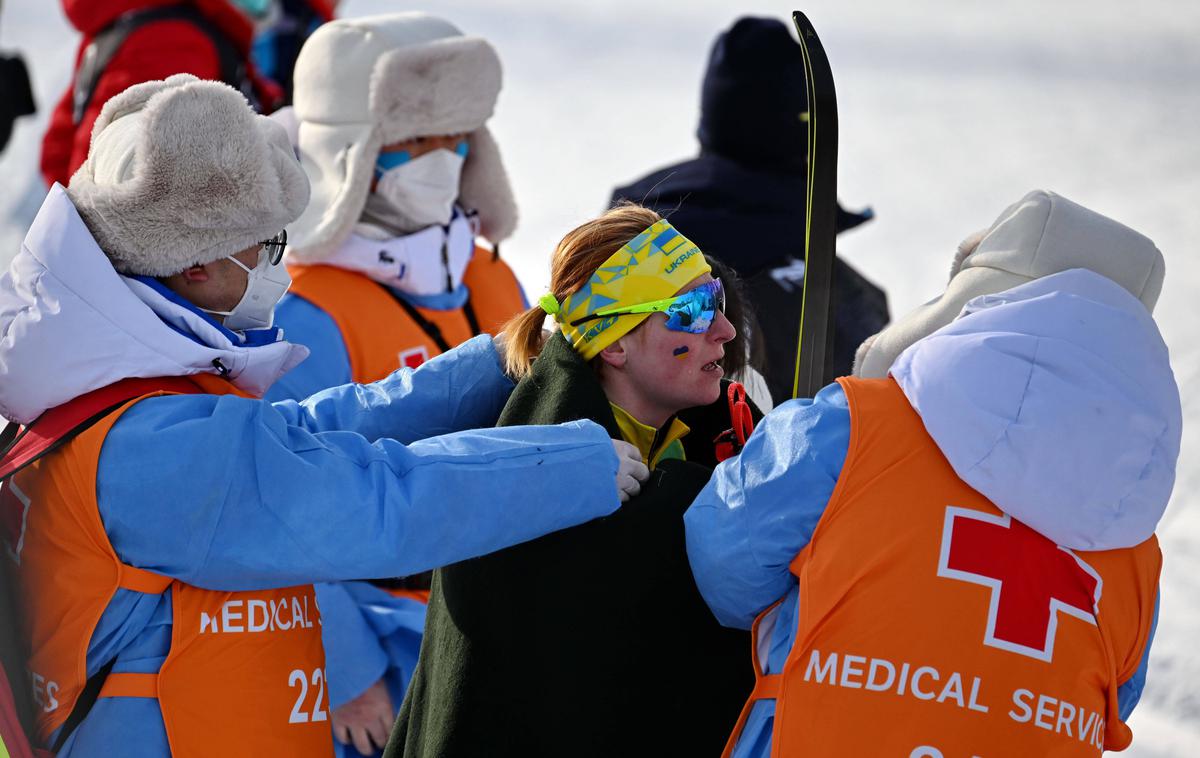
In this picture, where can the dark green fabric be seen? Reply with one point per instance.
(592, 641)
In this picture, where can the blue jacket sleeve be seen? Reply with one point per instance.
(227, 493)
(761, 508)
(464, 388)
(328, 363)
(1130, 692)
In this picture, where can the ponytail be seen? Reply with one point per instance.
(523, 341)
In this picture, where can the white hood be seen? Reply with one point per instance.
(1041, 234)
(69, 324)
(1056, 400)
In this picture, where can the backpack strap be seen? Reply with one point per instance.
(104, 46)
(83, 706)
(57, 426)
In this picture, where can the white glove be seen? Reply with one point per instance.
(631, 472)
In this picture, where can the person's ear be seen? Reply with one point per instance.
(614, 355)
(196, 274)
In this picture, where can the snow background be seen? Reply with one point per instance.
(949, 112)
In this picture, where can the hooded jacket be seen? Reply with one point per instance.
(154, 51)
(1055, 400)
(331, 488)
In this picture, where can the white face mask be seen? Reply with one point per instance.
(424, 189)
(266, 283)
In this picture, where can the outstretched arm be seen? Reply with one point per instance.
(464, 388)
(225, 493)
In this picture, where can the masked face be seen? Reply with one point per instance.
(422, 190)
(266, 284)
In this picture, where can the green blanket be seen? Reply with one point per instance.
(592, 641)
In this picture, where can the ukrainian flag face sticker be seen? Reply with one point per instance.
(654, 265)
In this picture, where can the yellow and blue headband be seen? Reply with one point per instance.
(654, 265)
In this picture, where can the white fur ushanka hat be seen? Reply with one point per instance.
(181, 172)
(367, 82)
(1039, 235)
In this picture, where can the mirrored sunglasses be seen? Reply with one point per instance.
(692, 312)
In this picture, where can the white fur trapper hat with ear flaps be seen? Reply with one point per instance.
(367, 82)
(1040, 235)
(182, 172)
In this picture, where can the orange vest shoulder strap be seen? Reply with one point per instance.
(869, 398)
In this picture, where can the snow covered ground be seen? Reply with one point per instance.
(949, 112)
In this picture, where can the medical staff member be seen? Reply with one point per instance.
(390, 270)
(954, 550)
(388, 259)
(166, 553)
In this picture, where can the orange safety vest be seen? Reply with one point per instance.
(245, 674)
(381, 336)
(933, 625)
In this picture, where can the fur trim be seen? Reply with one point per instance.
(341, 161)
(207, 178)
(366, 82)
(485, 188)
(1041, 234)
(965, 248)
(444, 87)
(860, 355)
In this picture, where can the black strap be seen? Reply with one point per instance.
(472, 319)
(104, 46)
(431, 329)
(83, 706)
(9, 437)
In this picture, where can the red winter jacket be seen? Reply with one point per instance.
(154, 51)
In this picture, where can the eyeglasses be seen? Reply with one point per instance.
(274, 247)
(693, 311)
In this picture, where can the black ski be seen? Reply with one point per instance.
(814, 347)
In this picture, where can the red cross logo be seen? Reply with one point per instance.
(1031, 579)
(413, 357)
